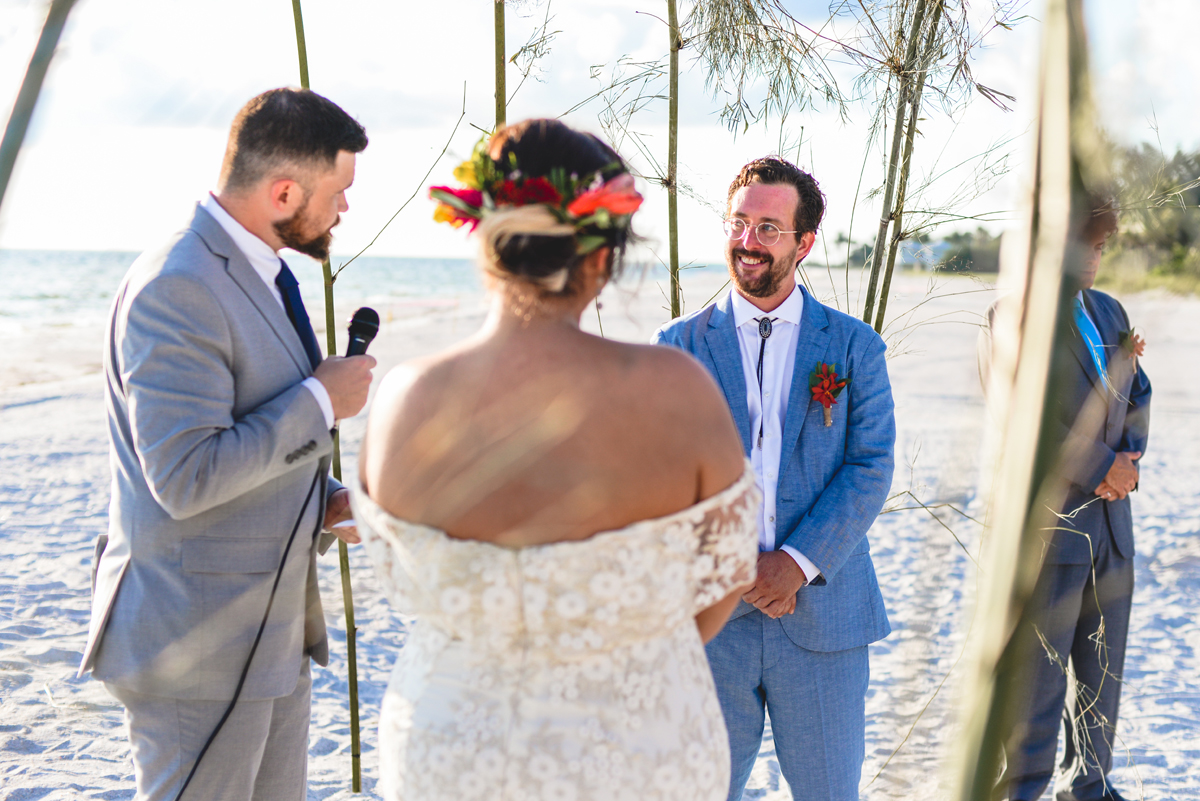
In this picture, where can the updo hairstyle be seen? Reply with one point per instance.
(539, 146)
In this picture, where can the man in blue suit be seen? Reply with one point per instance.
(796, 645)
(1080, 607)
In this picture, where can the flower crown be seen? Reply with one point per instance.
(577, 203)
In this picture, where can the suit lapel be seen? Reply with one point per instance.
(1119, 366)
(810, 350)
(1080, 348)
(722, 341)
(243, 274)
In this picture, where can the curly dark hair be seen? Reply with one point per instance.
(777, 170)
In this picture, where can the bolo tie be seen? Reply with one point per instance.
(764, 333)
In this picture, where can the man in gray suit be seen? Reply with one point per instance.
(1079, 613)
(796, 645)
(220, 410)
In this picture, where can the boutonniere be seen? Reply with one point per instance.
(1131, 343)
(826, 386)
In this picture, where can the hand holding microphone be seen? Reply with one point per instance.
(348, 379)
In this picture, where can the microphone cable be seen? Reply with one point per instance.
(364, 325)
(261, 627)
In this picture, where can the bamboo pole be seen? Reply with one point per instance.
(501, 63)
(31, 87)
(1020, 399)
(893, 165)
(343, 551)
(914, 110)
(672, 179)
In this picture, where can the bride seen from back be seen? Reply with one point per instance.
(567, 517)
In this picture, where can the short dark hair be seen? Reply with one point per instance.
(776, 170)
(1100, 215)
(539, 146)
(286, 127)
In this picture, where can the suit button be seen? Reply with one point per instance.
(291, 457)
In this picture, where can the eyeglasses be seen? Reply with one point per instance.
(766, 233)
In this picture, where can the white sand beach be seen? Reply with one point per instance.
(62, 738)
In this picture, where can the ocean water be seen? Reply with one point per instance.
(53, 292)
(44, 290)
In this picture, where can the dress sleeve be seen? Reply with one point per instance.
(388, 556)
(727, 545)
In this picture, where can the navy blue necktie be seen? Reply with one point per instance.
(290, 290)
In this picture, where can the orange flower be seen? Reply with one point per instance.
(618, 196)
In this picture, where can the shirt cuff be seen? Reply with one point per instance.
(810, 570)
(319, 392)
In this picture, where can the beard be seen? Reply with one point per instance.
(294, 232)
(766, 284)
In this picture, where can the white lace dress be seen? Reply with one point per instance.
(566, 672)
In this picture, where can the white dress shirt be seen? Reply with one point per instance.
(779, 361)
(266, 263)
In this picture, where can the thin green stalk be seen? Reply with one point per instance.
(672, 179)
(501, 62)
(343, 551)
(31, 87)
(885, 216)
(1022, 396)
(910, 135)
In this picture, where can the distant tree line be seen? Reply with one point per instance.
(975, 252)
(1158, 239)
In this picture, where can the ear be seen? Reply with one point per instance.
(598, 264)
(596, 269)
(807, 239)
(286, 196)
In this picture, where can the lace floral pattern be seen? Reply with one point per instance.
(569, 671)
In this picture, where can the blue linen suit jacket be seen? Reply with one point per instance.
(832, 481)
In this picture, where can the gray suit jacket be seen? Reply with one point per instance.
(214, 446)
(832, 481)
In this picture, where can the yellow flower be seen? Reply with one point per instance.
(444, 213)
(465, 173)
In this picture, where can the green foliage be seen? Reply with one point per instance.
(1157, 243)
(974, 252)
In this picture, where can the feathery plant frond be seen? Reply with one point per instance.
(742, 41)
(534, 50)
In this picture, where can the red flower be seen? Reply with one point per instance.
(618, 196)
(533, 190)
(538, 190)
(826, 385)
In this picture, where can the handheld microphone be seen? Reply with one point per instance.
(364, 325)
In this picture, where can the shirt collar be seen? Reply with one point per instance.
(789, 311)
(262, 258)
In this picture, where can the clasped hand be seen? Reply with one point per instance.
(1121, 478)
(779, 579)
(337, 510)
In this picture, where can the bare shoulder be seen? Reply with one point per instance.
(411, 387)
(673, 375)
(685, 398)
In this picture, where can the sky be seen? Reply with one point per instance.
(132, 122)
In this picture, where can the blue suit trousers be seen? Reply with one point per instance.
(816, 700)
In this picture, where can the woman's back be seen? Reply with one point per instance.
(537, 432)
(565, 516)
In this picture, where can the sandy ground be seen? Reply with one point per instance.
(62, 738)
